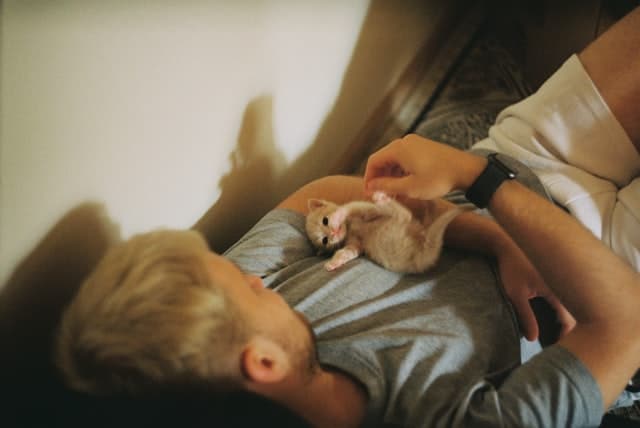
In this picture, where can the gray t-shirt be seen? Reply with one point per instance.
(435, 349)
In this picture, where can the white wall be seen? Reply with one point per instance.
(159, 109)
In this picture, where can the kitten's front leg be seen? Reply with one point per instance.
(342, 256)
(338, 217)
(364, 210)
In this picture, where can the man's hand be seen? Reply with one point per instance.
(522, 282)
(419, 168)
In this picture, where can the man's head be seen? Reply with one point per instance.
(161, 310)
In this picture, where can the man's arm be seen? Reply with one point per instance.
(598, 288)
(613, 63)
(339, 189)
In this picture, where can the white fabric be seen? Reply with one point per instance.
(568, 136)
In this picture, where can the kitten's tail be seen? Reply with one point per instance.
(434, 237)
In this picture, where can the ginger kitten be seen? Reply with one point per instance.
(384, 230)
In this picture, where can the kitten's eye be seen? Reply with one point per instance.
(325, 221)
(325, 240)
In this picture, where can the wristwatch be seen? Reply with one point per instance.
(481, 191)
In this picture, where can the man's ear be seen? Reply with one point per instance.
(264, 361)
(313, 204)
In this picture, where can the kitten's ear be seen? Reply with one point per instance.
(313, 204)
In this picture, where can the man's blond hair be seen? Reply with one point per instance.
(147, 316)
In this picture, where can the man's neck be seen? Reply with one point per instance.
(329, 399)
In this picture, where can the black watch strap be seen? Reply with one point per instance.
(481, 191)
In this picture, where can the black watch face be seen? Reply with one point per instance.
(504, 168)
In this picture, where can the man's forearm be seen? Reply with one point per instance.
(471, 231)
(585, 274)
(613, 63)
(598, 288)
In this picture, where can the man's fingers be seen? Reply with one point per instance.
(565, 319)
(528, 322)
(380, 169)
(383, 163)
(385, 170)
(392, 185)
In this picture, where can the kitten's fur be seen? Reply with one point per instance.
(384, 230)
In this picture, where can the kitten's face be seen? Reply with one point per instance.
(317, 225)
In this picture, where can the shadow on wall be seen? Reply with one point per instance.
(33, 297)
(247, 191)
(258, 181)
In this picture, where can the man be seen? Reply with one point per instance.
(438, 349)
(161, 310)
(424, 350)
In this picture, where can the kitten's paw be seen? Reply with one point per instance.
(342, 256)
(333, 265)
(380, 197)
(337, 218)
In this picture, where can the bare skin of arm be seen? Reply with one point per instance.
(613, 63)
(603, 296)
(339, 189)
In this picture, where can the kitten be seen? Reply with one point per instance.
(384, 230)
